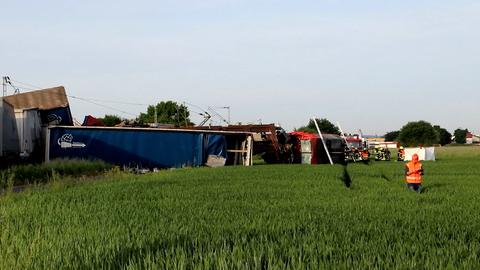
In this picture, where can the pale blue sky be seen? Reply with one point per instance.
(372, 65)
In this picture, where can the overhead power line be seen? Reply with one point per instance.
(112, 101)
(92, 101)
(101, 105)
(89, 100)
(26, 84)
(95, 101)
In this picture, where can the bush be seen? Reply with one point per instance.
(460, 135)
(445, 137)
(324, 124)
(419, 133)
(391, 136)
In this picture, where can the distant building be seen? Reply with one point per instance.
(472, 138)
(375, 139)
(373, 142)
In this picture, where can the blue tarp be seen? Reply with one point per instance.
(146, 148)
(215, 145)
(57, 116)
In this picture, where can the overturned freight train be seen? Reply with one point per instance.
(150, 147)
(309, 149)
(275, 145)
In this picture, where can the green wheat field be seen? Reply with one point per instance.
(260, 217)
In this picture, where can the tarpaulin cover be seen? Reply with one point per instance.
(430, 153)
(92, 121)
(215, 145)
(146, 148)
(57, 116)
(304, 135)
(424, 153)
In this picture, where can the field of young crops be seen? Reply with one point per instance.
(266, 216)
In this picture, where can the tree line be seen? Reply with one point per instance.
(411, 134)
(168, 112)
(424, 133)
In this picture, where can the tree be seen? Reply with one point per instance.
(392, 136)
(168, 112)
(324, 125)
(419, 133)
(445, 137)
(460, 135)
(111, 120)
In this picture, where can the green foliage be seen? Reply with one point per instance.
(419, 133)
(7, 181)
(324, 124)
(460, 135)
(168, 112)
(42, 173)
(111, 120)
(263, 217)
(392, 136)
(445, 137)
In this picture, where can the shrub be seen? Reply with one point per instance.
(418, 133)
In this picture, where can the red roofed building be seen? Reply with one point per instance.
(472, 138)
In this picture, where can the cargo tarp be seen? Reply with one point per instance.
(57, 116)
(215, 145)
(424, 153)
(145, 148)
(430, 153)
(91, 121)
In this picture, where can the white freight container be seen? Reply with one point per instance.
(29, 130)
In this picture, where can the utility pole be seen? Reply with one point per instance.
(323, 141)
(6, 81)
(155, 116)
(228, 112)
(185, 114)
(342, 134)
(228, 108)
(4, 85)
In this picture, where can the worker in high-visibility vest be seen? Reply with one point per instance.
(401, 154)
(365, 154)
(413, 174)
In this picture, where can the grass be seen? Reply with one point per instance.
(275, 217)
(42, 173)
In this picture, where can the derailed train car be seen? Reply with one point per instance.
(275, 145)
(270, 142)
(309, 149)
(24, 119)
(150, 147)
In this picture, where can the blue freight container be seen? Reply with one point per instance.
(150, 148)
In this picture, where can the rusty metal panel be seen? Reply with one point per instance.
(44, 99)
(265, 139)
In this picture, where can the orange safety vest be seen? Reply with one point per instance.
(414, 177)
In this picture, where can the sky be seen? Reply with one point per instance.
(370, 65)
